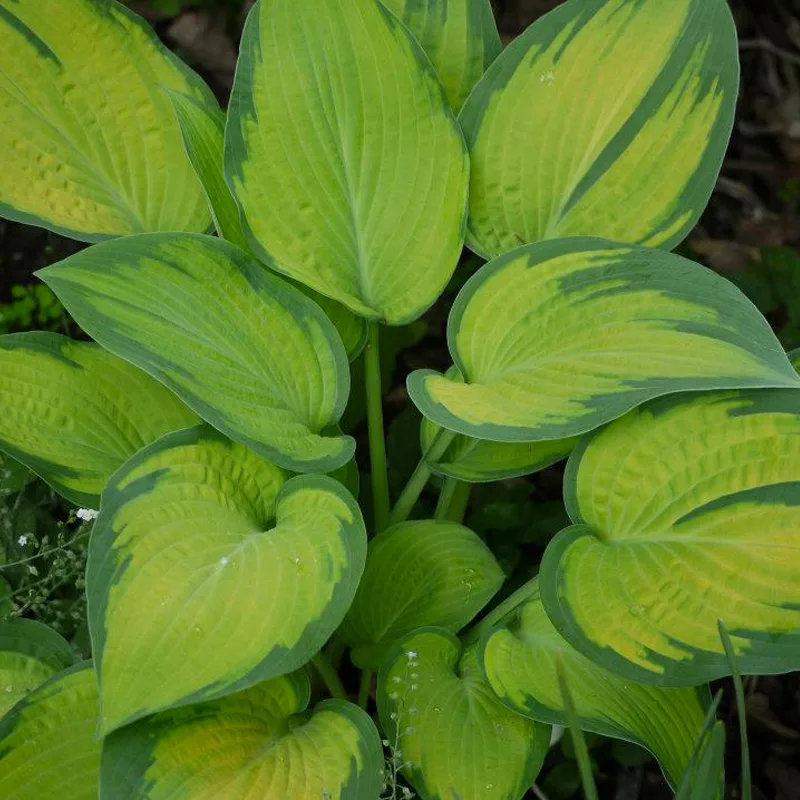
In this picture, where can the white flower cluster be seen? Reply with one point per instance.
(86, 514)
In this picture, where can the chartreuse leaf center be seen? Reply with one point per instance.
(48, 746)
(604, 118)
(520, 658)
(203, 129)
(482, 460)
(96, 152)
(459, 36)
(257, 742)
(555, 339)
(74, 412)
(209, 571)
(250, 354)
(686, 514)
(346, 162)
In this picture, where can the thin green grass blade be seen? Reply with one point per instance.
(741, 710)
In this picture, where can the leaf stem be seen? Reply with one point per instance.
(363, 688)
(741, 709)
(515, 599)
(453, 500)
(420, 477)
(329, 676)
(578, 740)
(445, 498)
(377, 443)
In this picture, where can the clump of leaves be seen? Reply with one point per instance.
(365, 144)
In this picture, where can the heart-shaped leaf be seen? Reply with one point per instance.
(459, 36)
(425, 572)
(455, 738)
(558, 338)
(686, 515)
(92, 149)
(255, 743)
(481, 460)
(207, 573)
(73, 412)
(345, 159)
(203, 129)
(520, 663)
(48, 747)
(605, 118)
(30, 653)
(249, 353)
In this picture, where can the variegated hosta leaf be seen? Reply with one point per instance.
(30, 653)
(557, 338)
(345, 159)
(255, 743)
(90, 141)
(459, 36)
(203, 129)
(480, 460)
(48, 747)
(425, 572)
(686, 515)
(207, 573)
(251, 355)
(520, 663)
(605, 118)
(73, 412)
(456, 738)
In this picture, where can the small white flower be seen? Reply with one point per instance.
(411, 654)
(86, 514)
(23, 540)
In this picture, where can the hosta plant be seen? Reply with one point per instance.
(242, 261)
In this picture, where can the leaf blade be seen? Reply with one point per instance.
(96, 151)
(74, 412)
(565, 88)
(371, 162)
(195, 523)
(520, 659)
(534, 370)
(215, 749)
(448, 573)
(460, 38)
(33, 759)
(725, 468)
(251, 355)
(442, 716)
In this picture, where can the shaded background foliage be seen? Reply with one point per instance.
(750, 233)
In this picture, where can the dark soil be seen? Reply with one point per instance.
(753, 217)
